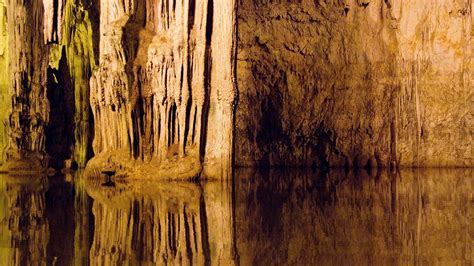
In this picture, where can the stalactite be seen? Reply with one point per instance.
(53, 20)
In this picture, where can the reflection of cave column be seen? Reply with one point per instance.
(82, 215)
(223, 91)
(24, 233)
(220, 222)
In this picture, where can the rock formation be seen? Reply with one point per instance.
(4, 81)
(28, 60)
(72, 60)
(61, 69)
(162, 63)
(354, 83)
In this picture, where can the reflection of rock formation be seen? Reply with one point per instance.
(69, 213)
(24, 232)
(419, 217)
(178, 223)
(44, 222)
(83, 222)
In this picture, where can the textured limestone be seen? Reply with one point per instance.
(162, 63)
(53, 20)
(28, 84)
(354, 83)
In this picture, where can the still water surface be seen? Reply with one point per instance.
(276, 217)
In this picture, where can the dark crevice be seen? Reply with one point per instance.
(207, 78)
(60, 131)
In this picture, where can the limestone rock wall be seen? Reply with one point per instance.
(354, 83)
(52, 56)
(164, 91)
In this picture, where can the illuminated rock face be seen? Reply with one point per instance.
(28, 60)
(4, 80)
(164, 93)
(154, 83)
(354, 83)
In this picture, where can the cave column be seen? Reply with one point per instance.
(4, 80)
(223, 91)
(198, 68)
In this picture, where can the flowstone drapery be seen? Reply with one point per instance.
(159, 95)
